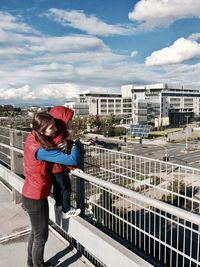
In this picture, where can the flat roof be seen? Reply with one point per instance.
(101, 95)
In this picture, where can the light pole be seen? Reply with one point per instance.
(186, 133)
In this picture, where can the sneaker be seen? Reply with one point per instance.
(71, 213)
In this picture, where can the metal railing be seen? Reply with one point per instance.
(161, 233)
(121, 195)
(172, 183)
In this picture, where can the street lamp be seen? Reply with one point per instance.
(186, 133)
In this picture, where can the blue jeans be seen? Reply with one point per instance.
(62, 190)
(38, 211)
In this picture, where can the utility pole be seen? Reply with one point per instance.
(186, 133)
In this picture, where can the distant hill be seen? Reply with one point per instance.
(36, 103)
(28, 105)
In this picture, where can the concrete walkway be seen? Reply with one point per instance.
(14, 234)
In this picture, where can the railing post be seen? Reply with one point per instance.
(80, 183)
(16, 162)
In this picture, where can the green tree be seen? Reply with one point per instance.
(176, 186)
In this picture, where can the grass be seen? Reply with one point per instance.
(164, 132)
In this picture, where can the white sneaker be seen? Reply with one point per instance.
(71, 213)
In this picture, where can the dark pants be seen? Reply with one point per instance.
(62, 190)
(38, 211)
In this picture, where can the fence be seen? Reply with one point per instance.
(121, 194)
(172, 183)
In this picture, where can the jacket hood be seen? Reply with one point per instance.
(61, 113)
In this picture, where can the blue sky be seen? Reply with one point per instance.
(50, 51)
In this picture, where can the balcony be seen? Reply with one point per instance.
(136, 211)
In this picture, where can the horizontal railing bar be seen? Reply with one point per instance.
(6, 163)
(150, 159)
(8, 137)
(8, 156)
(178, 212)
(13, 148)
(174, 221)
(152, 186)
(127, 154)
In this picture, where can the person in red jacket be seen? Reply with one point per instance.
(62, 184)
(39, 154)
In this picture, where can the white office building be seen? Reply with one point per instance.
(158, 104)
(162, 101)
(106, 104)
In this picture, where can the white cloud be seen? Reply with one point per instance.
(23, 93)
(194, 36)
(134, 53)
(37, 67)
(156, 13)
(87, 23)
(181, 50)
(58, 91)
(9, 22)
(72, 43)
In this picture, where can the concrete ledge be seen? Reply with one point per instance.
(100, 245)
(11, 178)
(109, 251)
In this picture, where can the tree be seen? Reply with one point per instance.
(79, 125)
(8, 108)
(176, 186)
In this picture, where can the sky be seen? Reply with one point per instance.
(53, 50)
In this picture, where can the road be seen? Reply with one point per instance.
(158, 148)
(175, 152)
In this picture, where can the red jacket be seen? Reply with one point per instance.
(61, 116)
(38, 179)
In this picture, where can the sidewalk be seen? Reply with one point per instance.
(14, 234)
